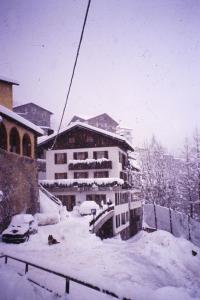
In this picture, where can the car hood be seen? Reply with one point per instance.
(15, 230)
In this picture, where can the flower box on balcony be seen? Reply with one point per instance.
(88, 164)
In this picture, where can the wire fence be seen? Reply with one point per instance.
(179, 224)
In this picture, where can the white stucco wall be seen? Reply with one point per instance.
(113, 155)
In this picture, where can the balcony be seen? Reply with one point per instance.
(89, 164)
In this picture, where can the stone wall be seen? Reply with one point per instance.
(19, 184)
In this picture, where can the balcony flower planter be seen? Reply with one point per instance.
(88, 164)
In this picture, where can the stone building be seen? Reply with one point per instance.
(18, 169)
(36, 114)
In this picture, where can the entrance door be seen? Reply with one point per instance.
(70, 202)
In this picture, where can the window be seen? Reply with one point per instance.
(60, 175)
(127, 216)
(101, 174)
(100, 154)
(117, 201)
(123, 218)
(78, 175)
(60, 158)
(123, 176)
(80, 155)
(98, 198)
(117, 219)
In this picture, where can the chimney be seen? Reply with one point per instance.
(6, 92)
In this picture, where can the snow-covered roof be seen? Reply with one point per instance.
(8, 80)
(9, 113)
(86, 126)
(32, 104)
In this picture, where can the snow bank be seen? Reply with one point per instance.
(47, 218)
(47, 205)
(181, 225)
(16, 287)
(156, 266)
(86, 207)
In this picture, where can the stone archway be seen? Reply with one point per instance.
(26, 145)
(14, 141)
(3, 137)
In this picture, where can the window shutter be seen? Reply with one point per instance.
(55, 158)
(75, 155)
(86, 155)
(106, 154)
(65, 158)
(95, 155)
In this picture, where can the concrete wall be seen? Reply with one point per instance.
(19, 184)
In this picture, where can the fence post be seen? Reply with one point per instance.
(6, 259)
(156, 223)
(170, 220)
(26, 268)
(67, 285)
(189, 234)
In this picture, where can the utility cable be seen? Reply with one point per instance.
(73, 72)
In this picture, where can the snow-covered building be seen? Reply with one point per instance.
(18, 169)
(89, 163)
(36, 114)
(103, 121)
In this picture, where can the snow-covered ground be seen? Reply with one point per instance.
(148, 266)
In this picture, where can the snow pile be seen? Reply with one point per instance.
(86, 207)
(49, 211)
(47, 218)
(16, 287)
(156, 266)
(47, 205)
(82, 181)
(181, 225)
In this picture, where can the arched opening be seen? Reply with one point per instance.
(26, 145)
(14, 141)
(3, 137)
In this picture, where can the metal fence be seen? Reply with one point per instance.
(66, 277)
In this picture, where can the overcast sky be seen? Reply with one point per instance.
(139, 61)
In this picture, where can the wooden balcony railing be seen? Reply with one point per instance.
(107, 164)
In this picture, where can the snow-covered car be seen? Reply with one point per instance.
(20, 228)
(87, 206)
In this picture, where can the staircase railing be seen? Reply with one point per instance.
(51, 196)
(93, 221)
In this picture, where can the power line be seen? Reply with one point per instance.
(73, 72)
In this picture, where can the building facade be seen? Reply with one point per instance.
(36, 114)
(18, 168)
(89, 163)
